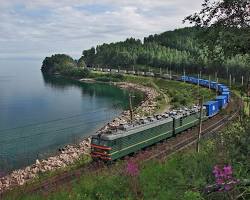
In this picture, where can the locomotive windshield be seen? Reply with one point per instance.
(94, 141)
(104, 142)
(99, 141)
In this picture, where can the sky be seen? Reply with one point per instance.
(40, 28)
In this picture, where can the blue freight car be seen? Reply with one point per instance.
(206, 83)
(185, 78)
(220, 86)
(213, 85)
(222, 100)
(227, 94)
(225, 90)
(202, 82)
(212, 108)
(223, 87)
(192, 80)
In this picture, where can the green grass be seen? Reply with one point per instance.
(177, 178)
(173, 94)
(178, 93)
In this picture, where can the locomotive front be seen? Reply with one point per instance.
(100, 148)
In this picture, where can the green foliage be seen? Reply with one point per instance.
(57, 62)
(192, 49)
(190, 195)
(75, 72)
(182, 94)
(173, 178)
(179, 93)
(236, 139)
(81, 63)
(104, 77)
(132, 52)
(229, 13)
(65, 65)
(224, 23)
(88, 56)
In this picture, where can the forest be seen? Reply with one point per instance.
(191, 49)
(178, 50)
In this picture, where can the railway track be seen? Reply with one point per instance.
(158, 151)
(191, 140)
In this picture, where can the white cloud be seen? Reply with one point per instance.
(42, 27)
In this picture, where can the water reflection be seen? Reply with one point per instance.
(95, 89)
(42, 113)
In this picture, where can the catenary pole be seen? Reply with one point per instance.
(198, 83)
(200, 125)
(230, 80)
(184, 76)
(130, 107)
(209, 82)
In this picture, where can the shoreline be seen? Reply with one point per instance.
(70, 154)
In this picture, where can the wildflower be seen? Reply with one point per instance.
(132, 169)
(227, 187)
(223, 177)
(219, 181)
(228, 171)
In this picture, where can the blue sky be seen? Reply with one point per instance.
(39, 28)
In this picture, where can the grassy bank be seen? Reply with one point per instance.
(179, 93)
(172, 93)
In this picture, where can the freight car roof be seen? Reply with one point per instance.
(210, 102)
(144, 124)
(221, 97)
(134, 129)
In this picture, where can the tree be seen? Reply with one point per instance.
(81, 63)
(57, 63)
(88, 56)
(225, 23)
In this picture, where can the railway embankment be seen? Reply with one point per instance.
(71, 154)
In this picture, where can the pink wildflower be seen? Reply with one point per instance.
(227, 187)
(223, 177)
(228, 171)
(219, 181)
(132, 169)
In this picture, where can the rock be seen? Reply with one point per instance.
(37, 162)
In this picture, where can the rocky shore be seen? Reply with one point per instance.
(147, 106)
(72, 153)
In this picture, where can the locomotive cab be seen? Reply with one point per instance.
(100, 148)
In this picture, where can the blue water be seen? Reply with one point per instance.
(40, 114)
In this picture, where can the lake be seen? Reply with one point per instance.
(40, 114)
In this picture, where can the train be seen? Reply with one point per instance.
(125, 139)
(135, 73)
